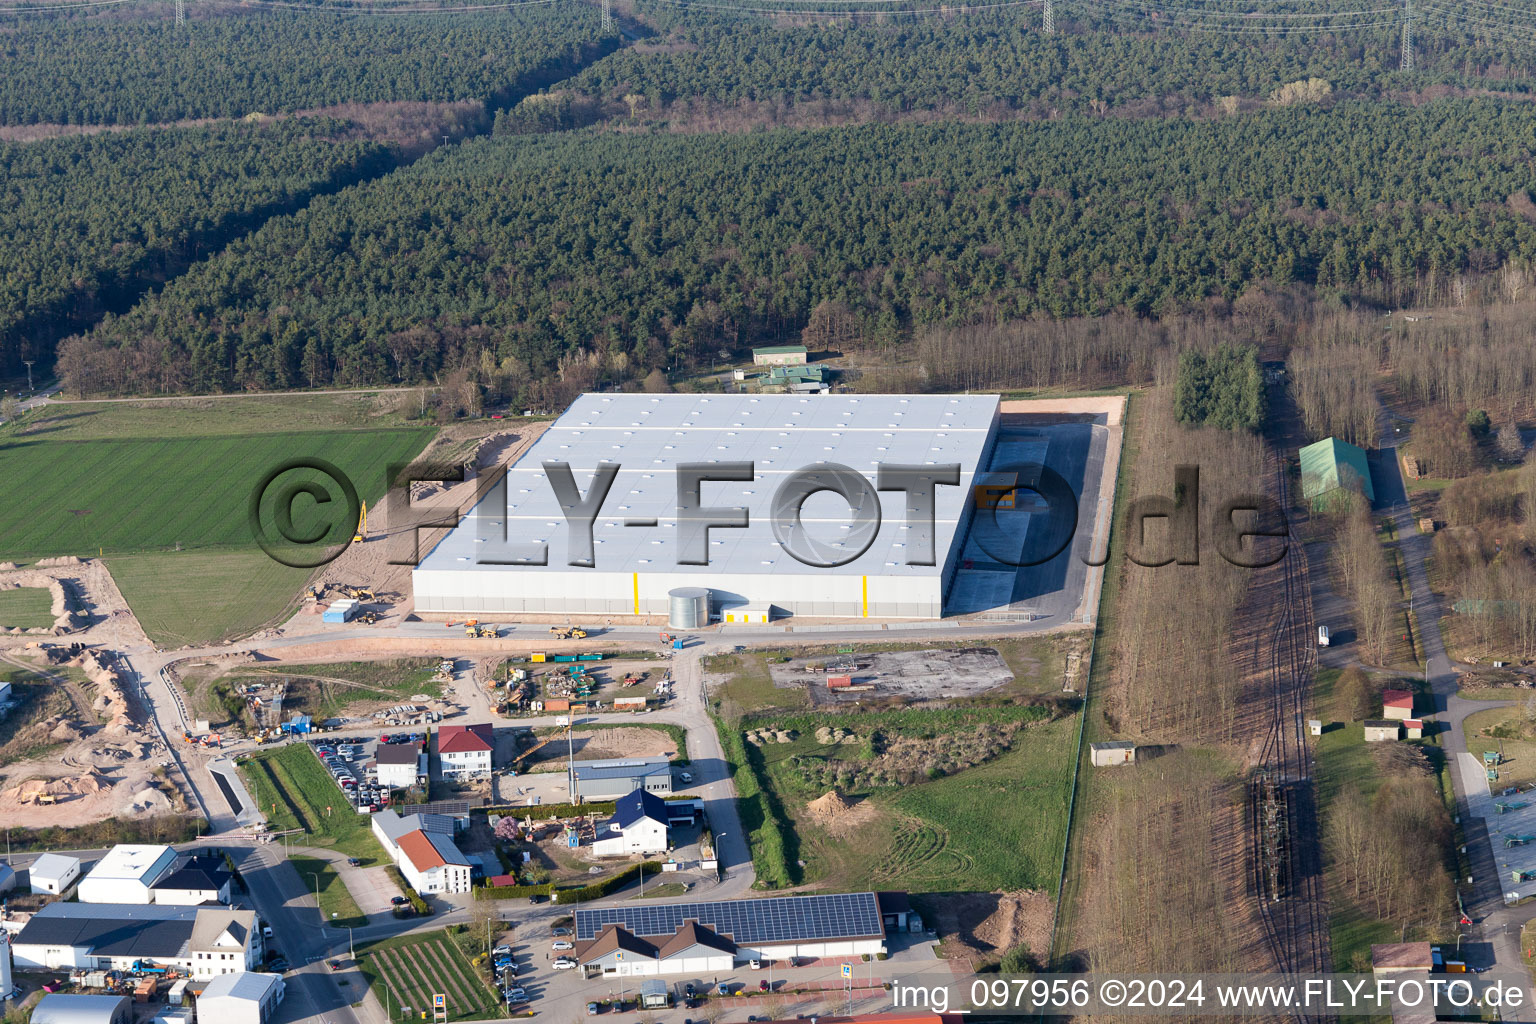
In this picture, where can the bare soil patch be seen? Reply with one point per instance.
(982, 926)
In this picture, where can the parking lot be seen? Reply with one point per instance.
(347, 761)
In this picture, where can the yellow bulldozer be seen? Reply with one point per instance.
(474, 629)
(567, 632)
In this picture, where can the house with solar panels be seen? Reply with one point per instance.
(690, 938)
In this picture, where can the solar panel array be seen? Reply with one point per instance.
(782, 919)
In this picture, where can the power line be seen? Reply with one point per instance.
(1048, 18)
(1405, 62)
(181, 13)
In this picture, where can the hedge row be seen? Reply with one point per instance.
(760, 817)
(543, 812)
(582, 894)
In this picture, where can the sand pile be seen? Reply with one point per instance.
(59, 562)
(111, 699)
(31, 791)
(839, 815)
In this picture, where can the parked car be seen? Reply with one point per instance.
(559, 931)
(762, 986)
(563, 944)
(334, 965)
(354, 861)
(591, 1007)
(398, 901)
(723, 990)
(277, 964)
(688, 990)
(754, 965)
(502, 949)
(535, 898)
(563, 964)
(686, 776)
(515, 995)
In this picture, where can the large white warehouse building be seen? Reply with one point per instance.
(640, 554)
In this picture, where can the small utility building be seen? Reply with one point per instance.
(779, 355)
(1397, 704)
(1330, 466)
(246, 998)
(53, 873)
(1112, 752)
(1382, 731)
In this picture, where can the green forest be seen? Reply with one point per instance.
(92, 220)
(581, 257)
(138, 69)
(997, 64)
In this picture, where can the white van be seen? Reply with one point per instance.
(1322, 636)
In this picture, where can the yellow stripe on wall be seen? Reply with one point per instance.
(866, 596)
(637, 593)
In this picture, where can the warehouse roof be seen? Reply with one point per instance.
(112, 929)
(397, 753)
(621, 768)
(249, 985)
(748, 922)
(1330, 464)
(649, 436)
(132, 862)
(68, 1008)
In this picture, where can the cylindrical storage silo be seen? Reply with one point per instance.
(688, 608)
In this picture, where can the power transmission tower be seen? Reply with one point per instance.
(1406, 63)
(181, 13)
(607, 17)
(1048, 22)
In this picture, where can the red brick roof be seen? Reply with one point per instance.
(420, 850)
(1397, 699)
(461, 739)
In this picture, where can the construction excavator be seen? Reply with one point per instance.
(567, 632)
(362, 525)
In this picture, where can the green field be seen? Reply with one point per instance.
(337, 906)
(163, 490)
(26, 608)
(178, 492)
(293, 789)
(998, 824)
(407, 971)
(203, 597)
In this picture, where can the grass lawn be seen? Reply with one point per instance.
(1500, 729)
(998, 825)
(749, 687)
(294, 790)
(408, 970)
(199, 598)
(336, 903)
(26, 608)
(665, 889)
(236, 415)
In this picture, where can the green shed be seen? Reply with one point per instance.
(1330, 464)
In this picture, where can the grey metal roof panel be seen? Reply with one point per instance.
(649, 435)
(630, 769)
(252, 985)
(111, 929)
(781, 919)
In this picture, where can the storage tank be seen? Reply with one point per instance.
(688, 608)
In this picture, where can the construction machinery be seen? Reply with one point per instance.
(472, 629)
(524, 755)
(567, 632)
(1518, 841)
(362, 525)
(360, 593)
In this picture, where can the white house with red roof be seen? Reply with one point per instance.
(464, 751)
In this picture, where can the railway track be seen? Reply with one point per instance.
(1286, 847)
